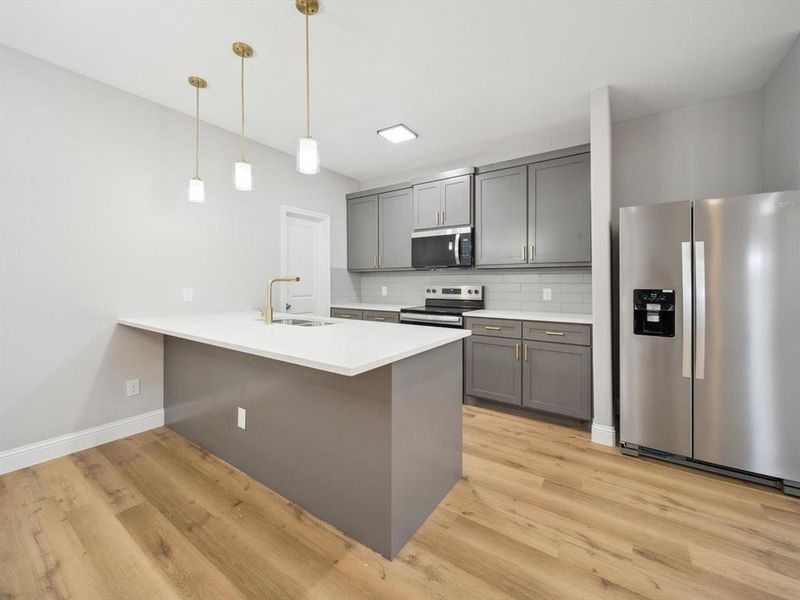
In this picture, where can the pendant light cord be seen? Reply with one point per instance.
(308, 83)
(242, 92)
(197, 135)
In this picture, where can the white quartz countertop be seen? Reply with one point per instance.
(346, 347)
(532, 315)
(368, 306)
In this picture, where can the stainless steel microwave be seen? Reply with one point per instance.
(440, 248)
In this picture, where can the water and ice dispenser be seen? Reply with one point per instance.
(654, 312)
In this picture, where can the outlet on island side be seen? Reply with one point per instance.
(241, 418)
(132, 387)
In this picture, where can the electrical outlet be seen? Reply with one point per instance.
(241, 418)
(188, 294)
(132, 387)
(384, 290)
(547, 293)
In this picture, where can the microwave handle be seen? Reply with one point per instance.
(457, 249)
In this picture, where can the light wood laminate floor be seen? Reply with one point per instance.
(540, 513)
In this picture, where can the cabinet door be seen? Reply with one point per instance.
(427, 205)
(362, 234)
(394, 233)
(557, 378)
(559, 211)
(457, 201)
(501, 206)
(493, 369)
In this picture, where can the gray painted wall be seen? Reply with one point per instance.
(506, 289)
(95, 225)
(781, 153)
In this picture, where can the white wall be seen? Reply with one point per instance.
(781, 151)
(95, 225)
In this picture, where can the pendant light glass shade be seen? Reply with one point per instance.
(307, 156)
(242, 177)
(197, 191)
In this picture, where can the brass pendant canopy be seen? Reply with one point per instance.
(197, 82)
(307, 7)
(242, 49)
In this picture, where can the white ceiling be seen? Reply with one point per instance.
(464, 75)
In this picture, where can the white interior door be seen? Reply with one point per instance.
(305, 252)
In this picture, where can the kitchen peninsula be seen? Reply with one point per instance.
(357, 422)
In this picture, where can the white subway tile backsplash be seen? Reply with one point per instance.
(507, 289)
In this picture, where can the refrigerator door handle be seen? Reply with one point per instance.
(686, 281)
(700, 307)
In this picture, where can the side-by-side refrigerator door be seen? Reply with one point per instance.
(656, 327)
(747, 386)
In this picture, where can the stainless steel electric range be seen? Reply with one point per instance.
(445, 306)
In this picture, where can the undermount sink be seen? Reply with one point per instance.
(301, 322)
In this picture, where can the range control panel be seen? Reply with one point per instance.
(654, 312)
(458, 292)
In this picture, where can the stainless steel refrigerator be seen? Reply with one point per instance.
(710, 334)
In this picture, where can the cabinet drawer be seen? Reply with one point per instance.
(346, 313)
(495, 327)
(381, 316)
(564, 333)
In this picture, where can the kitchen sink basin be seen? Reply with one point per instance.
(301, 322)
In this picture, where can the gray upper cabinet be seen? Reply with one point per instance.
(457, 201)
(493, 369)
(443, 203)
(501, 207)
(395, 228)
(557, 378)
(362, 233)
(559, 211)
(427, 205)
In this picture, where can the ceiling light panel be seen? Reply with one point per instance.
(397, 133)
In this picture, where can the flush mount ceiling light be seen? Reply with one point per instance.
(242, 173)
(307, 147)
(397, 133)
(196, 187)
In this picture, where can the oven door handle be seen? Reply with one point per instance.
(457, 249)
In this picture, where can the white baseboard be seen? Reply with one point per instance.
(604, 434)
(39, 452)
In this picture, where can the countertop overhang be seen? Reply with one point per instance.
(345, 347)
(530, 315)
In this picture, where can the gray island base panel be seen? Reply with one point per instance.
(371, 454)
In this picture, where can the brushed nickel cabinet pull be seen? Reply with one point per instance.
(492, 327)
(437, 217)
(380, 259)
(442, 218)
(525, 352)
(533, 252)
(378, 318)
(555, 333)
(516, 351)
(343, 317)
(524, 252)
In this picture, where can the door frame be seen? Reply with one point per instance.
(324, 253)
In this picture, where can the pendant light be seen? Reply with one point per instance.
(242, 173)
(196, 186)
(307, 147)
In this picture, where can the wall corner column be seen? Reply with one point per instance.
(600, 138)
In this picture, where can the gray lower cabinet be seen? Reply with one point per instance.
(501, 213)
(557, 378)
(493, 369)
(381, 316)
(346, 313)
(539, 365)
(362, 233)
(559, 211)
(394, 230)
